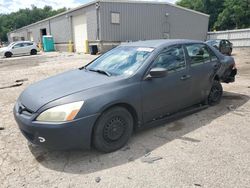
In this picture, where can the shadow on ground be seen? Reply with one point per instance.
(84, 162)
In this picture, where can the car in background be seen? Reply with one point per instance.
(224, 46)
(135, 85)
(19, 48)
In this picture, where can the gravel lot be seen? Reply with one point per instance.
(210, 148)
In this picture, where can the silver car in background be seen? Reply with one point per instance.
(19, 48)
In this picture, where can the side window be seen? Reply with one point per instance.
(198, 54)
(227, 43)
(27, 44)
(19, 45)
(172, 59)
(223, 43)
(213, 56)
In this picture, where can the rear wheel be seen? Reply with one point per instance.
(8, 54)
(33, 52)
(113, 129)
(215, 93)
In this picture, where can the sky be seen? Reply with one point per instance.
(8, 6)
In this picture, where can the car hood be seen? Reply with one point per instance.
(56, 87)
(3, 49)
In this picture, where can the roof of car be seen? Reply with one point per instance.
(159, 43)
(22, 41)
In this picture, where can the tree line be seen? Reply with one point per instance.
(23, 17)
(224, 14)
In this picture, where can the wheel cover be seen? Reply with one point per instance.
(114, 129)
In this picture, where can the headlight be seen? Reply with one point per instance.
(61, 113)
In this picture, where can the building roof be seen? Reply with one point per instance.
(159, 43)
(153, 2)
(111, 1)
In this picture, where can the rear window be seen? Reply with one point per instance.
(28, 44)
(198, 54)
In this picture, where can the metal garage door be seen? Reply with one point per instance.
(80, 32)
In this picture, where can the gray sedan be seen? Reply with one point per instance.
(133, 86)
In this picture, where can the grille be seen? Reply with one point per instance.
(24, 110)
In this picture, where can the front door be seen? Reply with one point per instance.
(18, 49)
(163, 96)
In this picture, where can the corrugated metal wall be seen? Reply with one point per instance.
(140, 21)
(239, 38)
(60, 27)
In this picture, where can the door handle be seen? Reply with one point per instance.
(185, 77)
(216, 66)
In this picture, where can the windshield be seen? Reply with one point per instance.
(122, 60)
(11, 44)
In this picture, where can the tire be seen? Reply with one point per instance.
(112, 130)
(230, 52)
(8, 54)
(33, 52)
(215, 94)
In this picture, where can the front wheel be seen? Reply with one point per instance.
(113, 129)
(215, 94)
(8, 54)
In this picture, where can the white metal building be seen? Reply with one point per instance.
(109, 22)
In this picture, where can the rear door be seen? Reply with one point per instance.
(203, 66)
(17, 49)
(27, 47)
(163, 96)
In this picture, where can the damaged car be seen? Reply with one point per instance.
(132, 86)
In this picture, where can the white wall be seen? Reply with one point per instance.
(239, 38)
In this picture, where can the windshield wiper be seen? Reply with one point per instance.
(100, 71)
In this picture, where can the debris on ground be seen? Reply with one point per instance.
(147, 154)
(1, 128)
(150, 159)
(231, 107)
(22, 80)
(189, 139)
(198, 185)
(97, 179)
(18, 83)
(14, 85)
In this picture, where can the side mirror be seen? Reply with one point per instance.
(158, 72)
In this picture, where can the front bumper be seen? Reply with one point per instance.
(67, 135)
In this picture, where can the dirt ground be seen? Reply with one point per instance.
(210, 148)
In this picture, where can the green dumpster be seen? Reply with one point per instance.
(48, 43)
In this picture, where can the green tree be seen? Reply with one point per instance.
(236, 15)
(210, 7)
(23, 17)
(224, 14)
